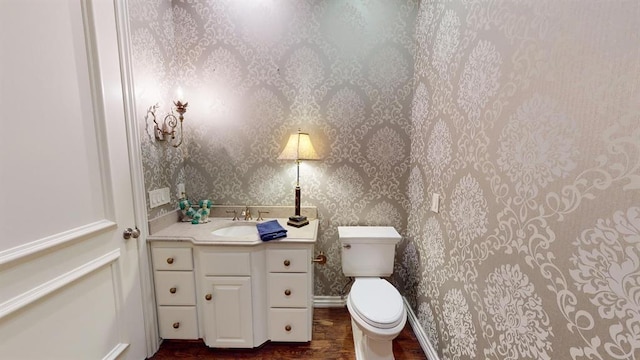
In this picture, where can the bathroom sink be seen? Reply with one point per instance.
(237, 232)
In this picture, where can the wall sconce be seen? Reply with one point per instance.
(298, 148)
(169, 124)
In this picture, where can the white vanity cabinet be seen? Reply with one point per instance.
(233, 294)
(227, 315)
(226, 296)
(290, 289)
(175, 292)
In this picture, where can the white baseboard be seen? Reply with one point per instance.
(328, 302)
(425, 344)
(115, 353)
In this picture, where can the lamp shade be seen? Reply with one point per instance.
(299, 147)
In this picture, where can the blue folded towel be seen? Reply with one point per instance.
(270, 230)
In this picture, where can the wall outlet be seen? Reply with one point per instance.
(435, 203)
(182, 193)
(159, 197)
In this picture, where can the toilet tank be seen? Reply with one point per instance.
(368, 250)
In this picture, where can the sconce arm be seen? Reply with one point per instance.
(169, 123)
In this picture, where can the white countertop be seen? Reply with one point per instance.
(201, 234)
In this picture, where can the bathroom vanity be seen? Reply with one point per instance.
(218, 281)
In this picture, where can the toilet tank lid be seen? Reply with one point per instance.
(379, 234)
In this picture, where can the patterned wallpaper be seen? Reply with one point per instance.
(153, 54)
(526, 120)
(254, 72)
(523, 115)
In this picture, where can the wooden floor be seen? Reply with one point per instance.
(332, 340)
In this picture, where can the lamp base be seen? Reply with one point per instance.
(298, 224)
(297, 218)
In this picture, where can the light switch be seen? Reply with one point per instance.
(158, 197)
(435, 203)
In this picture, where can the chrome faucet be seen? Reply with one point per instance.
(247, 214)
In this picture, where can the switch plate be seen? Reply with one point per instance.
(181, 191)
(435, 203)
(159, 197)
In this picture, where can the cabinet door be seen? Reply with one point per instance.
(228, 312)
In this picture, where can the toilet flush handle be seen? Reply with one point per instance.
(348, 246)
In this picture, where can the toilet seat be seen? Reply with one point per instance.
(377, 302)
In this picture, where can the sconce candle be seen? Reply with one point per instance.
(179, 94)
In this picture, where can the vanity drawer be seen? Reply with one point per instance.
(288, 290)
(175, 288)
(225, 263)
(177, 322)
(172, 258)
(289, 325)
(288, 260)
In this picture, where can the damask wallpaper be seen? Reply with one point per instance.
(524, 116)
(254, 72)
(526, 120)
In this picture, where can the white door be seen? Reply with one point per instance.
(69, 281)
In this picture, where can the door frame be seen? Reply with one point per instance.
(137, 176)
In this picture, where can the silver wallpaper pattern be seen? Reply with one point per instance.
(526, 120)
(153, 54)
(523, 115)
(256, 71)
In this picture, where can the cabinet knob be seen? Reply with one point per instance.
(208, 297)
(176, 325)
(169, 261)
(173, 290)
(287, 292)
(287, 328)
(287, 263)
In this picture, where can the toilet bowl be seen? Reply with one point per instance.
(376, 307)
(377, 317)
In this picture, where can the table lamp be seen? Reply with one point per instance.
(298, 148)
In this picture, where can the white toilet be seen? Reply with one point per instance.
(376, 307)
